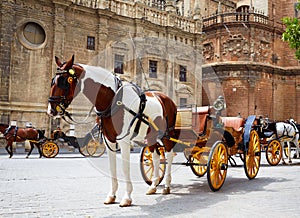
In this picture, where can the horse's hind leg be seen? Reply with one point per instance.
(289, 152)
(38, 145)
(170, 156)
(31, 148)
(155, 178)
(297, 146)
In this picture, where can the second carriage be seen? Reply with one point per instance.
(209, 143)
(274, 141)
(89, 146)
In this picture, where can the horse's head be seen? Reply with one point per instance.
(63, 86)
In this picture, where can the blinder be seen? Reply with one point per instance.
(62, 82)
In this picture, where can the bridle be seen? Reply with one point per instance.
(63, 82)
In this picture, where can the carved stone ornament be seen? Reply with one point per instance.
(236, 45)
(208, 51)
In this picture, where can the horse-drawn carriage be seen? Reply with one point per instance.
(89, 145)
(278, 138)
(129, 114)
(209, 141)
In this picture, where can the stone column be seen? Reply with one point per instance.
(59, 26)
(7, 30)
(102, 39)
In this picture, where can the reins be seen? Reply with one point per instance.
(72, 121)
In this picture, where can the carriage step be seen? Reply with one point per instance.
(190, 164)
(224, 166)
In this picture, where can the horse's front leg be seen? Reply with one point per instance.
(169, 156)
(125, 152)
(9, 145)
(111, 197)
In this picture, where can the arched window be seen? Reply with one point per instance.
(242, 13)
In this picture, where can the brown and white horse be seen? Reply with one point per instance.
(126, 114)
(16, 134)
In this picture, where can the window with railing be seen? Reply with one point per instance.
(152, 69)
(182, 73)
(4, 118)
(242, 13)
(119, 64)
(90, 43)
(182, 101)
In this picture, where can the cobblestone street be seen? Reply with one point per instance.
(73, 186)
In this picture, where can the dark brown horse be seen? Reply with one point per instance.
(16, 134)
(127, 114)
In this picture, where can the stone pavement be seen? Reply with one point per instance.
(73, 186)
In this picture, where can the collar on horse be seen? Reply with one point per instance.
(8, 129)
(112, 108)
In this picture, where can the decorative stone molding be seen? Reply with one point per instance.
(208, 51)
(236, 45)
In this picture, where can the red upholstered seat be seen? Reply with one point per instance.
(235, 122)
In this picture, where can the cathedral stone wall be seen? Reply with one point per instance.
(127, 28)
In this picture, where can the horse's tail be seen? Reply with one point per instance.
(170, 111)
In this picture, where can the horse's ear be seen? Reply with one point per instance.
(58, 62)
(70, 63)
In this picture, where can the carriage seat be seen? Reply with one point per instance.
(191, 119)
(237, 123)
(200, 119)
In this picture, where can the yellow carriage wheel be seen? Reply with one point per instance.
(146, 165)
(95, 148)
(50, 149)
(83, 151)
(252, 155)
(217, 166)
(199, 165)
(274, 152)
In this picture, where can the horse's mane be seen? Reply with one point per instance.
(4, 125)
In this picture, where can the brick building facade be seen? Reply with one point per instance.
(244, 58)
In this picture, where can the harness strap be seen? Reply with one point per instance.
(139, 115)
(112, 109)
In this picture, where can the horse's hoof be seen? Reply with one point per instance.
(125, 203)
(110, 200)
(166, 191)
(290, 162)
(26, 156)
(151, 191)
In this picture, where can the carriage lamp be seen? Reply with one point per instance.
(219, 103)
